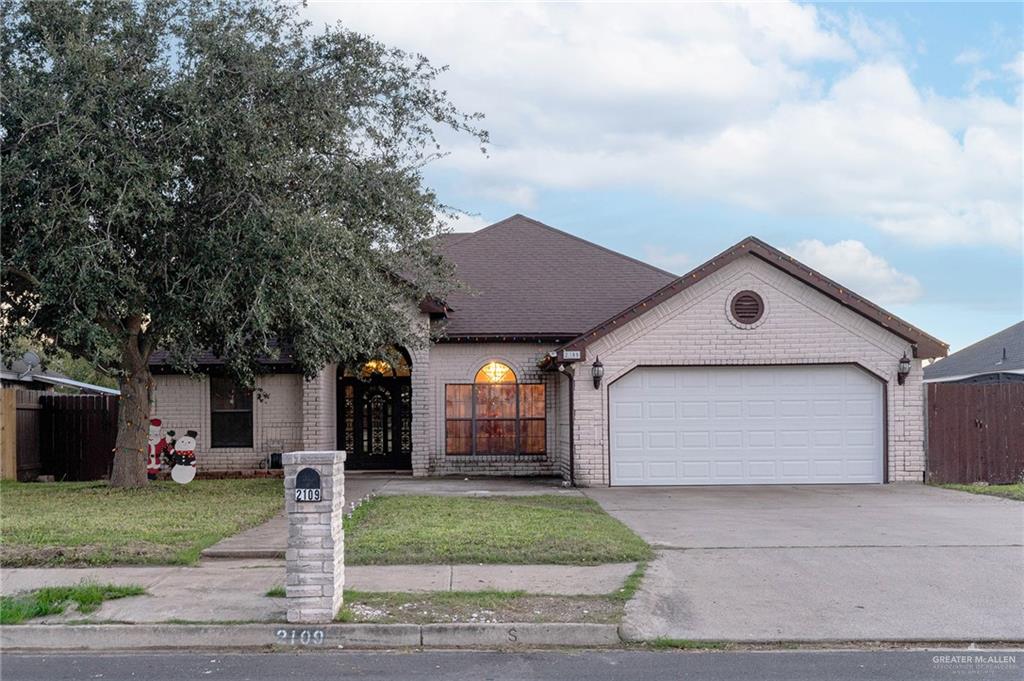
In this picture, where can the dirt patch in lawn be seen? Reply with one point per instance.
(138, 552)
(477, 607)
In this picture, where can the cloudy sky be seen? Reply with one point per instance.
(881, 144)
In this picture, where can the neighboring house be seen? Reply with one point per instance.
(18, 374)
(569, 359)
(996, 359)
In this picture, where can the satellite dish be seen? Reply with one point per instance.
(31, 361)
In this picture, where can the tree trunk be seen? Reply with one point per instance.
(130, 450)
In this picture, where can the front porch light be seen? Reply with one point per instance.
(904, 369)
(597, 371)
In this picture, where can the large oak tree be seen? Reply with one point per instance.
(198, 175)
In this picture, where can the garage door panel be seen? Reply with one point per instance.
(662, 471)
(700, 439)
(760, 409)
(661, 410)
(665, 440)
(728, 439)
(630, 440)
(761, 470)
(694, 410)
(794, 408)
(627, 410)
(731, 409)
(746, 425)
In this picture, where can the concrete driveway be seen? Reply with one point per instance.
(825, 562)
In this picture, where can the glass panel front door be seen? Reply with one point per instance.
(375, 422)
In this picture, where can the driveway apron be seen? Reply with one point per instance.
(825, 562)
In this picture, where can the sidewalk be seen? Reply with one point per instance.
(234, 590)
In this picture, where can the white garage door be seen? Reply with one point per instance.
(746, 426)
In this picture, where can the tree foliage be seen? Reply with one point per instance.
(193, 175)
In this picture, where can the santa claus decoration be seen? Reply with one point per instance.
(184, 458)
(157, 449)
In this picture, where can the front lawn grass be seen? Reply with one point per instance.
(553, 529)
(1014, 491)
(89, 523)
(55, 600)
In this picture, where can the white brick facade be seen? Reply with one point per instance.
(800, 326)
(459, 363)
(182, 403)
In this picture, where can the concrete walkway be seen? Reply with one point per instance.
(234, 590)
(270, 539)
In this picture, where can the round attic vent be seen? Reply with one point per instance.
(747, 307)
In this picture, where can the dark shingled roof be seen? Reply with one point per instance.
(984, 357)
(529, 280)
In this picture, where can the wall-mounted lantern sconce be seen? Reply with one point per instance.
(597, 371)
(904, 370)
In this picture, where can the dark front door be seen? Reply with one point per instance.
(375, 422)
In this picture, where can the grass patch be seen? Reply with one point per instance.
(276, 592)
(475, 607)
(552, 529)
(89, 523)
(55, 600)
(632, 583)
(684, 644)
(1014, 491)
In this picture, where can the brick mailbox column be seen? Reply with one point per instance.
(314, 488)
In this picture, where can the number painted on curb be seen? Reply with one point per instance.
(512, 635)
(302, 637)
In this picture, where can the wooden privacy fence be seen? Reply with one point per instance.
(975, 432)
(77, 434)
(29, 412)
(70, 437)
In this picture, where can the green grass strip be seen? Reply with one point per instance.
(54, 600)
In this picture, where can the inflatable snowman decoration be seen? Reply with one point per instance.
(184, 458)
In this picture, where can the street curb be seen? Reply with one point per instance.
(96, 637)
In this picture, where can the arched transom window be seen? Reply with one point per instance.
(495, 372)
(496, 414)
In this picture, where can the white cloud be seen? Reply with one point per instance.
(463, 222)
(969, 57)
(666, 259)
(872, 36)
(1016, 67)
(865, 273)
(520, 196)
(716, 102)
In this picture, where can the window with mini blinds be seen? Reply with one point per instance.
(495, 414)
(230, 413)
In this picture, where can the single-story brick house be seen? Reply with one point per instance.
(568, 359)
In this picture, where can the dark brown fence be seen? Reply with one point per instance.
(29, 414)
(975, 432)
(76, 436)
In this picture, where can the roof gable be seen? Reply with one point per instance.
(984, 357)
(529, 280)
(924, 344)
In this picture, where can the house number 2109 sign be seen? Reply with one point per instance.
(307, 486)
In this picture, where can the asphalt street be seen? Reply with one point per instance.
(846, 665)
